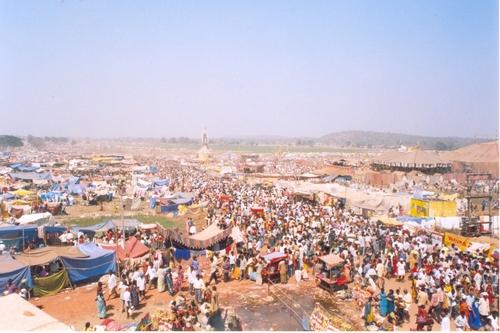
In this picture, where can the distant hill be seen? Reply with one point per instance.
(388, 140)
(10, 141)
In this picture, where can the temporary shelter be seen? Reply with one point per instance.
(133, 249)
(482, 157)
(39, 218)
(412, 160)
(20, 315)
(207, 238)
(127, 224)
(14, 270)
(17, 236)
(52, 284)
(97, 263)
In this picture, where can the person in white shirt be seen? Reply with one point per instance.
(484, 306)
(461, 323)
(192, 274)
(199, 286)
(401, 270)
(112, 284)
(127, 301)
(141, 284)
(152, 275)
(445, 323)
(380, 268)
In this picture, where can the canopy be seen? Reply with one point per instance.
(416, 158)
(48, 254)
(332, 259)
(97, 263)
(17, 236)
(477, 153)
(128, 224)
(202, 240)
(20, 315)
(38, 218)
(133, 249)
(14, 270)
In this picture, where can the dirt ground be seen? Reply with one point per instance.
(255, 305)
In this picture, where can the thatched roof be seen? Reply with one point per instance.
(477, 153)
(417, 158)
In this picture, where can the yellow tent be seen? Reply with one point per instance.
(22, 192)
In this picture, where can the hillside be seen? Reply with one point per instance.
(378, 139)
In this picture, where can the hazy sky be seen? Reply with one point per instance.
(304, 68)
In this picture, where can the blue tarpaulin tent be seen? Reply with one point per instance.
(98, 263)
(14, 270)
(129, 224)
(53, 195)
(54, 229)
(30, 176)
(17, 236)
(169, 208)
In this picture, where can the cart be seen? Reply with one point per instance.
(331, 278)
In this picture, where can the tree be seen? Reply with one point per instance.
(10, 141)
(441, 146)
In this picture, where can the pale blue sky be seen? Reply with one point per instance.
(304, 68)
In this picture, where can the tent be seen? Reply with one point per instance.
(486, 152)
(14, 270)
(52, 284)
(39, 218)
(207, 238)
(133, 249)
(97, 263)
(45, 255)
(20, 315)
(17, 236)
(128, 224)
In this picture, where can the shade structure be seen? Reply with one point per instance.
(14, 270)
(97, 263)
(412, 159)
(133, 249)
(331, 259)
(477, 153)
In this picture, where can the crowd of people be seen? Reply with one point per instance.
(445, 283)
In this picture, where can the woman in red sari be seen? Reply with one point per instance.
(395, 259)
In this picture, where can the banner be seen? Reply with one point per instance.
(419, 208)
(462, 243)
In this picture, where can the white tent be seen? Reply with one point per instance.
(20, 315)
(39, 218)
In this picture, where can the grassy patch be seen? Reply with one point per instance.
(87, 221)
